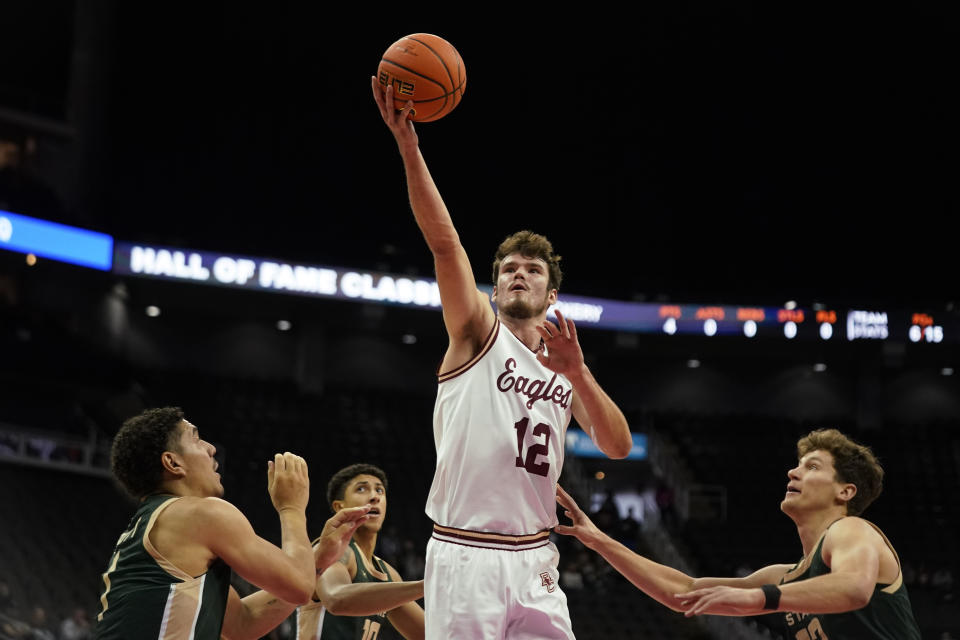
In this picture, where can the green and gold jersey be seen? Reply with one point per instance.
(888, 615)
(314, 622)
(145, 596)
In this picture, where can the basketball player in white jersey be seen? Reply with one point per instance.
(508, 385)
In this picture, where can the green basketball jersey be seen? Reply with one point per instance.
(145, 596)
(314, 622)
(888, 615)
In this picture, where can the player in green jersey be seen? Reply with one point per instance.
(169, 575)
(848, 586)
(359, 595)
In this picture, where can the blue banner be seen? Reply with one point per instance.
(579, 444)
(56, 241)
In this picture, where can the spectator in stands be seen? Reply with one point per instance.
(76, 626)
(361, 594)
(171, 569)
(40, 628)
(6, 599)
(942, 582)
(847, 586)
(628, 529)
(12, 628)
(607, 515)
(413, 561)
(665, 504)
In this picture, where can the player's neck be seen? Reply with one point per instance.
(810, 526)
(366, 541)
(525, 329)
(182, 488)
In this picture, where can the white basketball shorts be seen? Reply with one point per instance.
(482, 586)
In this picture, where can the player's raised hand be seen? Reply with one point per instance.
(582, 528)
(563, 354)
(397, 120)
(288, 482)
(336, 535)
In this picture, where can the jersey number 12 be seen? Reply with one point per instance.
(529, 461)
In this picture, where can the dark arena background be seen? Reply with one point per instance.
(756, 211)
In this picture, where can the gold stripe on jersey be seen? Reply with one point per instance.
(104, 605)
(893, 586)
(182, 610)
(310, 621)
(487, 345)
(162, 562)
(106, 581)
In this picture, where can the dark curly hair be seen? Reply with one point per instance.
(138, 445)
(854, 463)
(337, 487)
(529, 245)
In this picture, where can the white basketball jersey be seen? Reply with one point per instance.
(499, 426)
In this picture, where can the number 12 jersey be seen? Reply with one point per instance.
(499, 425)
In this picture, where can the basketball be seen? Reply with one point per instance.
(426, 69)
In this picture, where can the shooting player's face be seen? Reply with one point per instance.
(362, 490)
(522, 290)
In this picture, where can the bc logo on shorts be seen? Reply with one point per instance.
(547, 581)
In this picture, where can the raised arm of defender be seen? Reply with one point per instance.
(467, 313)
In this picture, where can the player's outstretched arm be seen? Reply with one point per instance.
(407, 619)
(467, 313)
(593, 409)
(342, 597)
(664, 584)
(658, 581)
(854, 549)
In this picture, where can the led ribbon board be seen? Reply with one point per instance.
(55, 241)
(263, 274)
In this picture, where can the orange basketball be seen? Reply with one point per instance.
(426, 69)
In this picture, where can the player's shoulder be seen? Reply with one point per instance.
(203, 510)
(852, 529)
